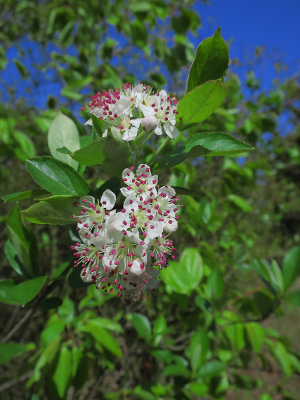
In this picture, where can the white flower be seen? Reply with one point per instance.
(122, 252)
(121, 110)
(141, 185)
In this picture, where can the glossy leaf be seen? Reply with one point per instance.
(63, 132)
(211, 61)
(26, 291)
(200, 103)
(56, 177)
(185, 275)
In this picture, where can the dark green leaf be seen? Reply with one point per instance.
(23, 241)
(211, 61)
(56, 177)
(293, 297)
(28, 194)
(10, 350)
(53, 211)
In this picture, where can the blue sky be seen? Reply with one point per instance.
(250, 23)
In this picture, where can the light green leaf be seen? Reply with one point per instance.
(211, 368)
(215, 286)
(104, 338)
(107, 323)
(54, 211)
(211, 61)
(235, 334)
(63, 132)
(56, 177)
(142, 326)
(185, 275)
(62, 373)
(199, 346)
(199, 103)
(240, 202)
(291, 267)
(256, 335)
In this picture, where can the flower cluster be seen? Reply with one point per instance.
(123, 251)
(131, 109)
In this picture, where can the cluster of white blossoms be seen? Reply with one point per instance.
(123, 251)
(130, 110)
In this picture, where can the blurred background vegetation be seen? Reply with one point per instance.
(231, 332)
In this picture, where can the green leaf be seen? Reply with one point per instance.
(235, 334)
(177, 370)
(215, 286)
(214, 144)
(293, 297)
(199, 346)
(63, 132)
(23, 241)
(28, 194)
(202, 144)
(13, 258)
(240, 202)
(26, 291)
(280, 353)
(53, 211)
(62, 372)
(185, 275)
(25, 147)
(270, 274)
(112, 184)
(256, 335)
(56, 177)
(10, 350)
(6, 285)
(104, 338)
(92, 154)
(211, 368)
(291, 266)
(211, 61)
(142, 326)
(107, 323)
(52, 331)
(159, 329)
(199, 103)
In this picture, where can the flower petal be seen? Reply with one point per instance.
(108, 199)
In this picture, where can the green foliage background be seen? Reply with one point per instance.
(223, 323)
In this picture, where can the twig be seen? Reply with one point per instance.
(13, 382)
(17, 326)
